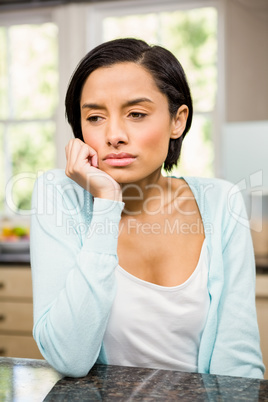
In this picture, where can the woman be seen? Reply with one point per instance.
(131, 267)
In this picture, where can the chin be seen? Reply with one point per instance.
(124, 176)
(127, 177)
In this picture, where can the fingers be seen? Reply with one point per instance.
(82, 164)
(79, 155)
(94, 160)
(72, 149)
(86, 154)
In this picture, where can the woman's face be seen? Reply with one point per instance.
(125, 118)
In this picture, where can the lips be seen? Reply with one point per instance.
(120, 159)
(121, 155)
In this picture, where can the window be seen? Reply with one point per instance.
(28, 101)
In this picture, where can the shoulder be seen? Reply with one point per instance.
(217, 198)
(209, 191)
(201, 185)
(214, 190)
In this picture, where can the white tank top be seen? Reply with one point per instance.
(156, 326)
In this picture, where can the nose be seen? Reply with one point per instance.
(116, 133)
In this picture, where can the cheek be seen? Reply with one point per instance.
(155, 138)
(89, 139)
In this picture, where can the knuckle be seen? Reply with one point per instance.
(76, 141)
(86, 147)
(75, 169)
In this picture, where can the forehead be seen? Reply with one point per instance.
(119, 78)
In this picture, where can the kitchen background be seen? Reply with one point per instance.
(222, 45)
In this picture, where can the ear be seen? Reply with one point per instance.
(179, 122)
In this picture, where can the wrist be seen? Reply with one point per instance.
(113, 195)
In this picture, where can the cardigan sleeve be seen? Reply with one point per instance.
(237, 345)
(73, 275)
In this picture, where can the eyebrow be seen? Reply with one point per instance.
(131, 102)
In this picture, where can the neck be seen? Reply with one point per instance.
(146, 196)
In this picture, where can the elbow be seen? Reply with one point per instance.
(73, 365)
(69, 366)
(73, 370)
(69, 358)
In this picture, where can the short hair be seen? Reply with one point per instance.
(165, 69)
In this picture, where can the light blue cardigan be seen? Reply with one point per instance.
(73, 257)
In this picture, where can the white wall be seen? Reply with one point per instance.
(245, 151)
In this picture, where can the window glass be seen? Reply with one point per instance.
(197, 152)
(142, 26)
(32, 151)
(2, 168)
(28, 101)
(33, 72)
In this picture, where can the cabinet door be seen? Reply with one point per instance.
(19, 346)
(15, 282)
(16, 316)
(262, 313)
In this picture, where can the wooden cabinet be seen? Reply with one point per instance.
(262, 312)
(16, 313)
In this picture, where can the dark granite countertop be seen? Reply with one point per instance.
(34, 380)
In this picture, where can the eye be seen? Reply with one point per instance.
(137, 115)
(94, 119)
